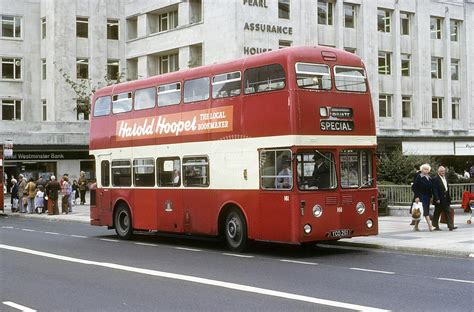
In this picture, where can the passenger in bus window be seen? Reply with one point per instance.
(284, 178)
(176, 177)
(321, 172)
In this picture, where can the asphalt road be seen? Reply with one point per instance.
(59, 266)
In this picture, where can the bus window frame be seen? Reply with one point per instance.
(360, 182)
(335, 67)
(146, 166)
(135, 102)
(200, 100)
(110, 106)
(334, 171)
(184, 177)
(159, 171)
(131, 99)
(226, 81)
(276, 176)
(181, 87)
(105, 161)
(112, 172)
(313, 74)
(265, 91)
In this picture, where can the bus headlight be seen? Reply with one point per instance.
(317, 211)
(307, 228)
(369, 223)
(360, 207)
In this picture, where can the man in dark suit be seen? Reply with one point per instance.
(321, 175)
(442, 199)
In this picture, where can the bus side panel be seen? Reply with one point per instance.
(276, 216)
(144, 209)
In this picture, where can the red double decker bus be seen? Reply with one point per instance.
(276, 147)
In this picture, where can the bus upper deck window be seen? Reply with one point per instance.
(122, 102)
(169, 94)
(350, 79)
(313, 76)
(145, 98)
(196, 90)
(263, 79)
(225, 85)
(102, 106)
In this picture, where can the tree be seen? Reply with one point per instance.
(85, 88)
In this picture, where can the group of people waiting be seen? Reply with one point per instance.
(429, 190)
(43, 195)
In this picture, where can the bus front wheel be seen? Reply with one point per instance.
(123, 222)
(236, 230)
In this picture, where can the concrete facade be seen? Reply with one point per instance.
(214, 31)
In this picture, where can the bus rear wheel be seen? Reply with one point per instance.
(123, 222)
(236, 230)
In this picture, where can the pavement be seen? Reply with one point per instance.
(395, 233)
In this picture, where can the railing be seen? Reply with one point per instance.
(403, 195)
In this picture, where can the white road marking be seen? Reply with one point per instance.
(28, 230)
(471, 255)
(18, 306)
(78, 236)
(146, 244)
(52, 233)
(109, 240)
(7, 227)
(373, 271)
(198, 280)
(188, 249)
(455, 280)
(237, 255)
(298, 262)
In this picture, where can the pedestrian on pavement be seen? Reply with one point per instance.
(41, 181)
(75, 191)
(65, 191)
(417, 173)
(22, 193)
(39, 200)
(14, 192)
(442, 200)
(422, 187)
(416, 210)
(52, 189)
(31, 194)
(82, 187)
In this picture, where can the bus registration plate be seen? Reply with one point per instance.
(340, 233)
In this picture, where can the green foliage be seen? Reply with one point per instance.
(85, 88)
(396, 168)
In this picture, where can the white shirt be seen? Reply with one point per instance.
(444, 182)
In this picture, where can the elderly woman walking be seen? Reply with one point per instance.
(423, 189)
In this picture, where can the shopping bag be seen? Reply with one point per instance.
(443, 216)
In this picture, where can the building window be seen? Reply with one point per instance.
(325, 12)
(132, 25)
(82, 110)
(405, 23)
(406, 106)
(43, 69)
(82, 68)
(284, 44)
(349, 15)
(82, 27)
(351, 50)
(113, 29)
(43, 28)
(11, 109)
(405, 58)
(437, 108)
(384, 17)
(454, 29)
(284, 9)
(11, 26)
(169, 63)
(436, 27)
(436, 66)
(385, 62)
(44, 110)
(455, 108)
(168, 20)
(11, 68)
(385, 105)
(113, 69)
(454, 69)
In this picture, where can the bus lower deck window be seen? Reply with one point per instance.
(196, 171)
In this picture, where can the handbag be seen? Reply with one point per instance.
(416, 213)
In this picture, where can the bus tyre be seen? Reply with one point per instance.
(235, 230)
(123, 222)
